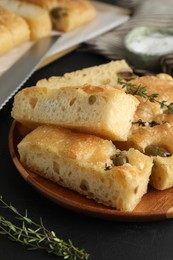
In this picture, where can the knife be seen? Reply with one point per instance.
(13, 79)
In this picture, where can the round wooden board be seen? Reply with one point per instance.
(155, 205)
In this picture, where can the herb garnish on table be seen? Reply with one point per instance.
(36, 236)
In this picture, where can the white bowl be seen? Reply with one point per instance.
(146, 45)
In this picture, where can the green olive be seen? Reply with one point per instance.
(127, 75)
(58, 12)
(119, 159)
(92, 99)
(155, 150)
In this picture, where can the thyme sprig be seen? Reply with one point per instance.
(36, 236)
(140, 90)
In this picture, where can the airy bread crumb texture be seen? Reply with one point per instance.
(77, 161)
(104, 74)
(103, 111)
(160, 136)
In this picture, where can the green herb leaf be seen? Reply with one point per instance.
(36, 236)
(140, 90)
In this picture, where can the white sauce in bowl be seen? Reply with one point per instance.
(155, 43)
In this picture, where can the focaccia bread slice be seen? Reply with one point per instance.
(157, 142)
(85, 163)
(161, 84)
(37, 18)
(104, 74)
(67, 15)
(152, 129)
(103, 111)
(13, 30)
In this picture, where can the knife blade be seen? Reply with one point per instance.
(13, 79)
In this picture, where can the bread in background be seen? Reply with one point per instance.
(37, 18)
(13, 30)
(66, 15)
(6, 42)
(69, 14)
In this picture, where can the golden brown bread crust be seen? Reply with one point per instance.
(157, 136)
(162, 85)
(77, 161)
(36, 17)
(161, 136)
(6, 43)
(47, 4)
(50, 4)
(96, 110)
(76, 146)
(103, 74)
(14, 27)
(67, 15)
(154, 128)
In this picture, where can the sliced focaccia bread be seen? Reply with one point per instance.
(152, 128)
(104, 74)
(157, 142)
(87, 164)
(160, 86)
(13, 30)
(67, 15)
(103, 111)
(37, 18)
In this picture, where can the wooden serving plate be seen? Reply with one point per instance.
(155, 205)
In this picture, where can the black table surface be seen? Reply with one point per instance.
(102, 239)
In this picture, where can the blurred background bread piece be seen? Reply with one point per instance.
(13, 30)
(6, 43)
(67, 15)
(37, 18)
(72, 14)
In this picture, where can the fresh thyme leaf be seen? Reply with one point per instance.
(36, 236)
(140, 90)
(108, 167)
(170, 109)
(152, 98)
